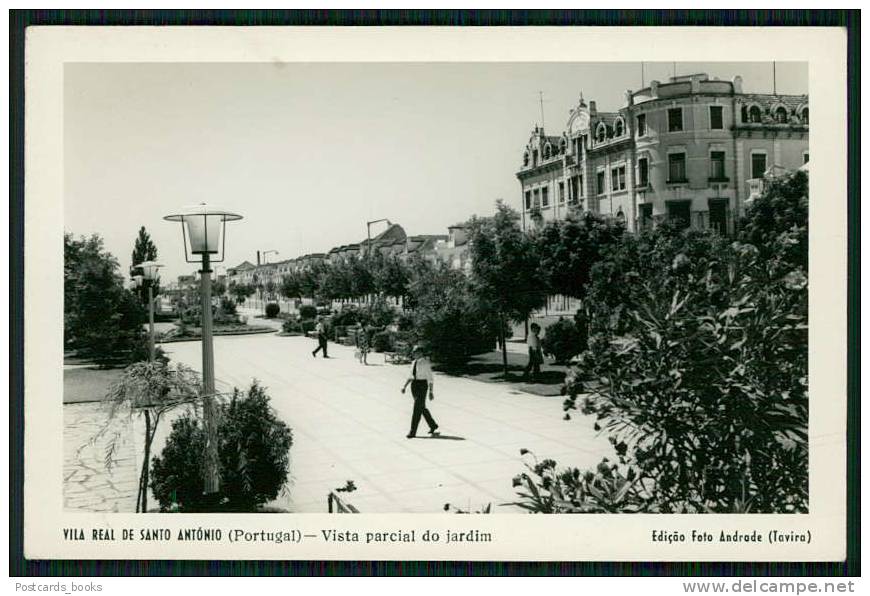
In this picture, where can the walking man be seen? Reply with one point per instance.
(321, 338)
(421, 381)
(536, 356)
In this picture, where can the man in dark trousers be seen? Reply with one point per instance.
(421, 381)
(536, 356)
(321, 338)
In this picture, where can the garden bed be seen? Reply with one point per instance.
(194, 333)
(87, 384)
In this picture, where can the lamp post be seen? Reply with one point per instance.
(150, 275)
(369, 232)
(266, 252)
(203, 228)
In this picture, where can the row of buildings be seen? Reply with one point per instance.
(450, 248)
(692, 150)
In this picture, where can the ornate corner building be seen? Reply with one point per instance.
(692, 151)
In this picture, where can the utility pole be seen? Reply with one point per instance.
(541, 97)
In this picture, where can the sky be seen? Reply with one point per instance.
(307, 153)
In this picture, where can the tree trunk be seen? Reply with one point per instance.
(503, 347)
(143, 479)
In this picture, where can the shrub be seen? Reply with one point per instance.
(308, 325)
(228, 306)
(253, 451)
(562, 340)
(272, 310)
(383, 341)
(703, 371)
(291, 326)
(347, 317)
(307, 311)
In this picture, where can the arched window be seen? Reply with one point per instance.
(781, 115)
(601, 133)
(619, 128)
(547, 151)
(754, 114)
(563, 145)
(535, 157)
(620, 216)
(805, 116)
(526, 158)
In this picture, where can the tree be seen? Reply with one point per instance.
(102, 319)
(218, 287)
(144, 250)
(391, 275)
(569, 248)
(290, 287)
(309, 280)
(447, 318)
(505, 269)
(783, 208)
(241, 291)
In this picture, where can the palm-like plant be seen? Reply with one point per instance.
(150, 389)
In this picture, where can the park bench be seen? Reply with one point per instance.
(401, 355)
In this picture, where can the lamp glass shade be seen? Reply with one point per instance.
(150, 269)
(137, 280)
(204, 232)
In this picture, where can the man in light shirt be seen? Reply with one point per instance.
(536, 356)
(422, 383)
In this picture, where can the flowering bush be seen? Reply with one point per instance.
(545, 489)
(703, 373)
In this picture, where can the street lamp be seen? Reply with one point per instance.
(203, 227)
(369, 232)
(266, 252)
(150, 275)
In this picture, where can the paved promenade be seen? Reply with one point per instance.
(349, 422)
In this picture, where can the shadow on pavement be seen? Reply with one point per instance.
(444, 437)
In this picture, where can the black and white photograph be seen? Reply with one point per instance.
(386, 294)
(479, 288)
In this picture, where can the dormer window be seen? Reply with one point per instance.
(754, 114)
(619, 129)
(535, 157)
(601, 133)
(805, 116)
(781, 115)
(526, 159)
(547, 152)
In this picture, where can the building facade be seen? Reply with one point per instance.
(692, 151)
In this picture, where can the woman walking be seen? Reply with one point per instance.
(421, 381)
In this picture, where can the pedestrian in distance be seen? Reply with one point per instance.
(536, 355)
(363, 345)
(320, 330)
(422, 384)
